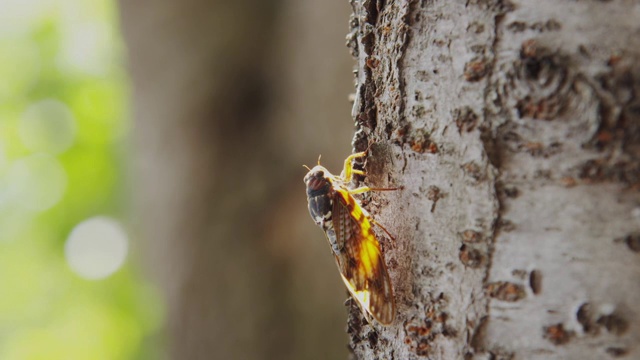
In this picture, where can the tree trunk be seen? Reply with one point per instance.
(514, 128)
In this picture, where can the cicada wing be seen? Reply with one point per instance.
(360, 262)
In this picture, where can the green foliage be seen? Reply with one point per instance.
(63, 133)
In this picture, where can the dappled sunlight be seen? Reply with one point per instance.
(96, 248)
(82, 51)
(36, 182)
(47, 126)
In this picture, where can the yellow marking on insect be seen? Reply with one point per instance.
(369, 243)
(369, 262)
(356, 212)
(362, 296)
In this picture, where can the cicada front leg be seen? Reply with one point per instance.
(348, 171)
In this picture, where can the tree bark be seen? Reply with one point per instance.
(514, 128)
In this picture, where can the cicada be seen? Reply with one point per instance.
(348, 228)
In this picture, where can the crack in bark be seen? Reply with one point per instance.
(487, 137)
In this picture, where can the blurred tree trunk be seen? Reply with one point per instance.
(515, 129)
(200, 95)
(230, 98)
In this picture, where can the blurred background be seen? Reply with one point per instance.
(151, 195)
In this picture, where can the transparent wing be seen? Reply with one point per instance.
(360, 262)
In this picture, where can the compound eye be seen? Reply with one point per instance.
(319, 174)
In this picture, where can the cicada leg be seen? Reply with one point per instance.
(365, 189)
(348, 171)
(383, 228)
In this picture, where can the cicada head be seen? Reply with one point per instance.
(317, 181)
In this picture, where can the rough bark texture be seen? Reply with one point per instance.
(514, 128)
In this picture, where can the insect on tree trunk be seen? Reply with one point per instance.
(514, 128)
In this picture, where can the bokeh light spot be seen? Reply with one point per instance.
(96, 248)
(47, 126)
(83, 47)
(36, 182)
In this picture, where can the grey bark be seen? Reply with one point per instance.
(514, 128)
